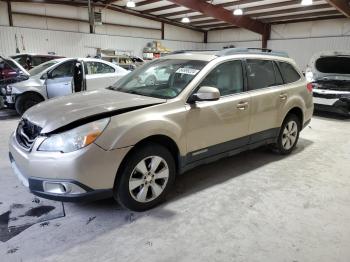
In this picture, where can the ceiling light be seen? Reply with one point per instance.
(185, 20)
(238, 11)
(306, 2)
(130, 4)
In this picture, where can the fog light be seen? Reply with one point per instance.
(62, 188)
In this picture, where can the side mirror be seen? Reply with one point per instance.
(206, 93)
(45, 76)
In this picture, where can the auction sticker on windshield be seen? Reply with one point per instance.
(187, 71)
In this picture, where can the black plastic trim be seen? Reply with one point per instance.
(228, 148)
(36, 187)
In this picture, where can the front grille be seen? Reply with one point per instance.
(26, 133)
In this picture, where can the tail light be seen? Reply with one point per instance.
(309, 87)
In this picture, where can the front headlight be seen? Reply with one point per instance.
(3, 91)
(8, 90)
(74, 139)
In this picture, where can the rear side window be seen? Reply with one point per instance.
(93, 68)
(288, 72)
(261, 74)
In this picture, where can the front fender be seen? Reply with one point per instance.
(120, 134)
(19, 90)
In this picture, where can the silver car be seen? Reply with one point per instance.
(61, 77)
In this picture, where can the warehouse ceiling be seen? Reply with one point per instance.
(218, 14)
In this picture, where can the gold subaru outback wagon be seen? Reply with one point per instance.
(130, 140)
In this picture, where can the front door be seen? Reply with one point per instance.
(59, 81)
(214, 127)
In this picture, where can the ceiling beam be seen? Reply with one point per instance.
(308, 19)
(223, 15)
(161, 8)
(300, 16)
(292, 10)
(147, 2)
(342, 6)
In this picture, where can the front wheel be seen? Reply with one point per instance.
(145, 178)
(289, 135)
(26, 101)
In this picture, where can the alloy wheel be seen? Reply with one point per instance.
(148, 179)
(290, 134)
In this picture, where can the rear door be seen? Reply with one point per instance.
(268, 96)
(99, 75)
(59, 81)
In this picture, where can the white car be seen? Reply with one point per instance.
(61, 77)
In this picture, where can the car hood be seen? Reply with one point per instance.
(73, 110)
(25, 72)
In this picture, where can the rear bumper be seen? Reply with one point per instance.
(339, 106)
(337, 103)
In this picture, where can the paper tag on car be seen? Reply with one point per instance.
(187, 71)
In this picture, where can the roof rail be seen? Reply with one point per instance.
(252, 50)
(192, 51)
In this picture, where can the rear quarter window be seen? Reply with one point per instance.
(289, 74)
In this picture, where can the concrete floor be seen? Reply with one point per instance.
(256, 206)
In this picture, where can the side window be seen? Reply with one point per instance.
(227, 77)
(288, 72)
(37, 60)
(260, 74)
(63, 70)
(93, 68)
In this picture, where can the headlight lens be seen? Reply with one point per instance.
(9, 89)
(76, 138)
(3, 91)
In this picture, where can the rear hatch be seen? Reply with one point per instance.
(332, 73)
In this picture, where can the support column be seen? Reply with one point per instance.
(205, 38)
(9, 11)
(162, 31)
(91, 21)
(266, 36)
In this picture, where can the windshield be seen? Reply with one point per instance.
(163, 78)
(40, 68)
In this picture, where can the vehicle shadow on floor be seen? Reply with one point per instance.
(218, 172)
(209, 175)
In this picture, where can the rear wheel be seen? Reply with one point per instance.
(26, 101)
(145, 178)
(289, 135)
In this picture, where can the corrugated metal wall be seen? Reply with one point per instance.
(76, 44)
(300, 40)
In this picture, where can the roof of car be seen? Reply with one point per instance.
(208, 55)
(33, 54)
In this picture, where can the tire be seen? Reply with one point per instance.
(137, 187)
(26, 101)
(289, 135)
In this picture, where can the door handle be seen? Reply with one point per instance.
(242, 105)
(283, 97)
